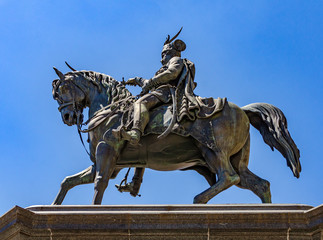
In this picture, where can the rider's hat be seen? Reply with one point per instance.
(177, 45)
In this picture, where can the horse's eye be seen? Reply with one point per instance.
(64, 89)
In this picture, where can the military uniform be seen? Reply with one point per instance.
(165, 78)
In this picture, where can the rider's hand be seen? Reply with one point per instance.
(143, 92)
(131, 82)
(145, 87)
(136, 81)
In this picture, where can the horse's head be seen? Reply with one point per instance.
(70, 97)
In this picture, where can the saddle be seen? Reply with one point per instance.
(161, 118)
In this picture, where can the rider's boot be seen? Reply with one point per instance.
(132, 136)
(140, 120)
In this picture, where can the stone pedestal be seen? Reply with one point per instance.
(149, 222)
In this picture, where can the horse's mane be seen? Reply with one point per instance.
(114, 89)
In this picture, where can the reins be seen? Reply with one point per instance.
(114, 106)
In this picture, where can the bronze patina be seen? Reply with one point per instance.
(167, 127)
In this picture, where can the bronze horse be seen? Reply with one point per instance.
(223, 164)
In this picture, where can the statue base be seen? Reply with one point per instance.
(221, 222)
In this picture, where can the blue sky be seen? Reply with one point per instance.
(247, 51)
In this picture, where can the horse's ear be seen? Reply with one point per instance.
(59, 74)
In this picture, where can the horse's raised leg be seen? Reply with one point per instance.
(219, 163)
(106, 157)
(84, 177)
(249, 180)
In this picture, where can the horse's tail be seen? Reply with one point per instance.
(271, 123)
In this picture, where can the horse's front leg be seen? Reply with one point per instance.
(83, 177)
(106, 158)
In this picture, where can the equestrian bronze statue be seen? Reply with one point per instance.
(167, 127)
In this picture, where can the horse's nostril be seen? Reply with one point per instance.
(66, 117)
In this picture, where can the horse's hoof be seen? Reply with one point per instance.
(266, 197)
(198, 199)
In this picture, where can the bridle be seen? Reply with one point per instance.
(62, 104)
(77, 107)
(76, 110)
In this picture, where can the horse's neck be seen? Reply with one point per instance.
(95, 99)
(98, 102)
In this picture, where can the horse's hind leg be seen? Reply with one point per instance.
(259, 186)
(84, 177)
(219, 163)
(205, 172)
(249, 180)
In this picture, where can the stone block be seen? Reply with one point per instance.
(143, 222)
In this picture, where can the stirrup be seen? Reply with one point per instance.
(129, 187)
